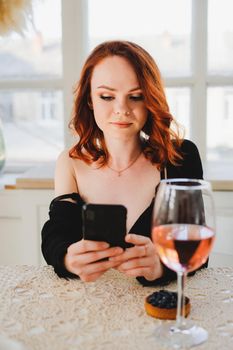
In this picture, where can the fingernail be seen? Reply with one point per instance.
(118, 250)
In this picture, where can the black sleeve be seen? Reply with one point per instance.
(190, 167)
(63, 228)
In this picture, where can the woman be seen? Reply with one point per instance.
(126, 146)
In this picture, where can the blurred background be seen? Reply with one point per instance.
(192, 42)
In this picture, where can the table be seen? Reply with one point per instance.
(41, 311)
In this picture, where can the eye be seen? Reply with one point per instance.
(138, 97)
(106, 97)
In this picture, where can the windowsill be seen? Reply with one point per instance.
(37, 177)
(220, 174)
(8, 179)
(41, 177)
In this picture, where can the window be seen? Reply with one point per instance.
(220, 81)
(179, 103)
(162, 38)
(220, 35)
(194, 51)
(193, 48)
(31, 96)
(220, 122)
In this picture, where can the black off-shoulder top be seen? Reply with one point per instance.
(64, 226)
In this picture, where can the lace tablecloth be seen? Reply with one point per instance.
(41, 311)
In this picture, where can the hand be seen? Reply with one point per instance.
(140, 260)
(82, 259)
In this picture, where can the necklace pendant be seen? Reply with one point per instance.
(119, 172)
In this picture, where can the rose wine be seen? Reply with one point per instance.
(183, 247)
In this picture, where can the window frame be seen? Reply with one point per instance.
(75, 49)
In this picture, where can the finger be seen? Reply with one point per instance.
(130, 253)
(84, 246)
(96, 267)
(90, 257)
(137, 239)
(145, 271)
(92, 277)
(136, 263)
(82, 269)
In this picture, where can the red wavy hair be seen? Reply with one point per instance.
(161, 144)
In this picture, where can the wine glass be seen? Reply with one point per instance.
(183, 231)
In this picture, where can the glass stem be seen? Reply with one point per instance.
(180, 315)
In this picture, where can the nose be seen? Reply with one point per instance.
(121, 108)
(122, 113)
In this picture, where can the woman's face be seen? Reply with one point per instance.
(117, 100)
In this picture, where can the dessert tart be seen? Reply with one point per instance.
(163, 305)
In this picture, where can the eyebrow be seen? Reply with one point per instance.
(112, 89)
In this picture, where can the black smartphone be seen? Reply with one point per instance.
(105, 222)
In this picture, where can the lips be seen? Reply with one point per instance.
(121, 123)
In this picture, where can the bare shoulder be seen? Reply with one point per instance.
(64, 157)
(65, 179)
(64, 164)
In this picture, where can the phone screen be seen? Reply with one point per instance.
(105, 222)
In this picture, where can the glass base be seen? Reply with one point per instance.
(186, 336)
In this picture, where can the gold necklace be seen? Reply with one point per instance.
(119, 172)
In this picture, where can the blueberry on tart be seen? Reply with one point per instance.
(163, 305)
